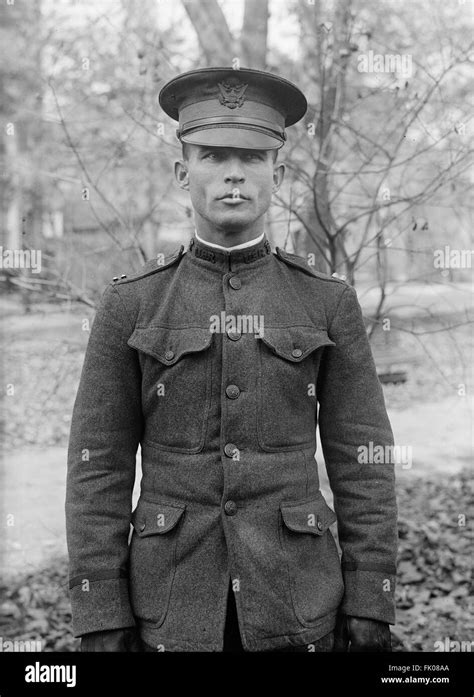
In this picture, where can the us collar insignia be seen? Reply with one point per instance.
(232, 93)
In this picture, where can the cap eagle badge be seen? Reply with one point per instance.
(232, 93)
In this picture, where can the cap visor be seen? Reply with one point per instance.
(233, 138)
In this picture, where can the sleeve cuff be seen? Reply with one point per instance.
(369, 594)
(100, 605)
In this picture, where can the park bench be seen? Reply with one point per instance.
(393, 365)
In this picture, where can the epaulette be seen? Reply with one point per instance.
(151, 266)
(301, 263)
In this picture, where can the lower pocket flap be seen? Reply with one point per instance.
(312, 516)
(150, 518)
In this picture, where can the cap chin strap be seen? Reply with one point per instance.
(281, 136)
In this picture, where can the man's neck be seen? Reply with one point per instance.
(226, 238)
(242, 245)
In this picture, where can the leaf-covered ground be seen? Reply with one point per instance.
(433, 585)
(36, 608)
(435, 562)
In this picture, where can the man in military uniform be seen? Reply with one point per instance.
(219, 363)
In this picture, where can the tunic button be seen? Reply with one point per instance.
(230, 449)
(232, 391)
(234, 335)
(142, 527)
(169, 355)
(297, 353)
(235, 282)
(230, 507)
(319, 525)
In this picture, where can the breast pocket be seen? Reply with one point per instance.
(176, 384)
(310, 551)
(289, 363)
(153, 558)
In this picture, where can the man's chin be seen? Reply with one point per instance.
(233, 220)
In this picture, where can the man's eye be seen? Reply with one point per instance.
(254, 156)
(211, 156)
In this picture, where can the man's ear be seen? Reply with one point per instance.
(181, 174)
(278, 176)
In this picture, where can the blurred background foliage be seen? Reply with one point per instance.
(377, 171)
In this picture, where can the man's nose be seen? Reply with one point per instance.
(234, 173)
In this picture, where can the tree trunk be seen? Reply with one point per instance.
(14, 198)
(254, 34)
(213, 33)
(326, 48)
(215, 38)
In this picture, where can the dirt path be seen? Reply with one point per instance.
(34, 485)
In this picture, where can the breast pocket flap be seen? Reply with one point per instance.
(167, 344)
(295, 343)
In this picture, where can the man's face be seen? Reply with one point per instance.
(230, 188)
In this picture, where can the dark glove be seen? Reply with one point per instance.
(125, 639)
(361, 634)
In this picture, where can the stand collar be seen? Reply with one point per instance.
(218, 259)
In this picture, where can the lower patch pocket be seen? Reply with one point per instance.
(153, 558)
(313, 565)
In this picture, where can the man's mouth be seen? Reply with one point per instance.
(233, 196)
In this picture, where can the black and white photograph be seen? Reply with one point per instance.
(236, 339)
